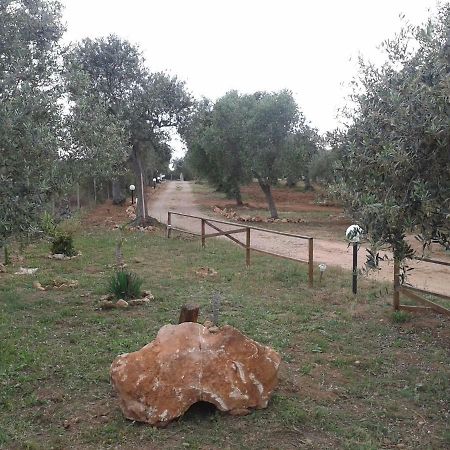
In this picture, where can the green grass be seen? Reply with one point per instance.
(351, 376)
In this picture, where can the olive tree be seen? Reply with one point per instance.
(394, 158)
(30, 112)
(215, 138)
(271, 119)
(142, 103)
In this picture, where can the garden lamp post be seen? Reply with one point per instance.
(353, 234)
(322, 268)
(132, 188)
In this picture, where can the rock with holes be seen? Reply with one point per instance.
(185, 364)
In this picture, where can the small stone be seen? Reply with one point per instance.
(138, 260)
(240, 412)
(58, 256)
(107, 304)
(148, 294)
(139, 301)
(121, 303)
(208, 324)
(206, 271)
(26, 271)
(357, 363)
(213, 329)
(2, 268)
(106, 297)
(38, 286)
(66, 424)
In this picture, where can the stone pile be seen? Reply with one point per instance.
(231, 214)
(107, 301)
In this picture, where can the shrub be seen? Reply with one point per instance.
(48, 224)
(125, 285)
(63, 243)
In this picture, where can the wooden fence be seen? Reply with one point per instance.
(212, 223)
(413, 293)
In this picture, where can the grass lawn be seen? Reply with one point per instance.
(352, 377)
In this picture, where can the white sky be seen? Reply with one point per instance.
(307, 46)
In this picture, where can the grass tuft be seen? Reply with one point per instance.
(124, 284)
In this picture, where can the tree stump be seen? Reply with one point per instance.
(189, 313)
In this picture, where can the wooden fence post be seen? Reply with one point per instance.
(247, 247)
(311, 261)
(169, 224)
(203, 233)
(396, 285)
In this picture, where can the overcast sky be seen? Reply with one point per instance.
(307, 46)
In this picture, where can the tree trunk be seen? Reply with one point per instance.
(95, 191)
(136, 162)
(265, 187)
(291, 182)
(78, 195)
(117, 192)
(238, 197)
(308, 185)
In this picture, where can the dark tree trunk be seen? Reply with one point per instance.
(291, 182)
(95, 191)
(265, 187)
(136, 163)
(308, 185)
(118, 195)
(238, 197)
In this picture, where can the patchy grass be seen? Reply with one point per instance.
(352, 376)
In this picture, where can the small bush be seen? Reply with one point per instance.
(48, 224)
(7, 259)
(125, 285)
(400, 317)
(63, 243)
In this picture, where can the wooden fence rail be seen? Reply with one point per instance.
(212, 223)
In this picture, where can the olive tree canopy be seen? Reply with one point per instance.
(394, 158)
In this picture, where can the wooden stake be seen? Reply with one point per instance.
(247, 248)
(169, 224)
(189, 313)
(396, 285)
(311, 262)
(203, 233)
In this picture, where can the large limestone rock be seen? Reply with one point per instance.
(187, 363)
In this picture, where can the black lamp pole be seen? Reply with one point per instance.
(355, 268)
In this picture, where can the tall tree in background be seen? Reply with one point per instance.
(216, 141)
(142, 103)
(30, 118)
(301, 147)
(272, 118)
(395, 156)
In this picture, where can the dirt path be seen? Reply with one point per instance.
(178, 196)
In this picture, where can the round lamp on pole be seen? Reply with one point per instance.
(353, 234)
(132, 189)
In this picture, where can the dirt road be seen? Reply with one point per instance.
(178, 196)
